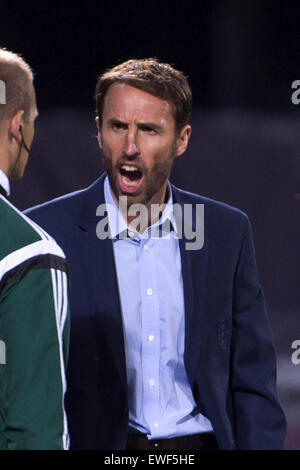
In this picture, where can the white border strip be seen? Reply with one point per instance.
(57, 294)
(42, 247)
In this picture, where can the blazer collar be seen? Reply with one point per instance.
(98, 260)
(195, 283)
(4, 184)
(94, 196)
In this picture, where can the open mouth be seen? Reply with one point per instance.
(130, 178)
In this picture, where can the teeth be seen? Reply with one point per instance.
(128, 181)
(129, 168)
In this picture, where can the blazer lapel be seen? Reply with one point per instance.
(195, 285)
(104, 301)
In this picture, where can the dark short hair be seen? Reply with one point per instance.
(18, 77)
(150, 75)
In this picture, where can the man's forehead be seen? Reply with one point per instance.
(124, 98)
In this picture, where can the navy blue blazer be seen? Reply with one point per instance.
(229, 353)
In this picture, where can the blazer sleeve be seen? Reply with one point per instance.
(259, 419)
(34, 319)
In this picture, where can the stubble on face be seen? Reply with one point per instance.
(155, 179)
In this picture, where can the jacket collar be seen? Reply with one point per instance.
(93, 197)
(4, 183)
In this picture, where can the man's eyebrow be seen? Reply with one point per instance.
(151, 125)
(113, 121)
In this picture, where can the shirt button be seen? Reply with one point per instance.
(156, 425)
(131, 234)
(151, 338)
(146, 248)
(149, 291)
(151, 382)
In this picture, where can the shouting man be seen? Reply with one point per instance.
(170, 343)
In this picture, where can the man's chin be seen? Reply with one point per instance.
(132, 198)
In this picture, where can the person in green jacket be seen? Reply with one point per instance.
(34, 284)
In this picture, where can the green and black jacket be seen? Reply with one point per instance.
(34, 335)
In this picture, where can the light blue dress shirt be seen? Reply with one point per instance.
(150, 283)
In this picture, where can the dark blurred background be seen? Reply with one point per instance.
(241, 58)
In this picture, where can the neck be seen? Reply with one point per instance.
(9, 151)
(148, 214)
(4, 164)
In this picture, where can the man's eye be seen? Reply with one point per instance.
(149, 130)
(117, 126)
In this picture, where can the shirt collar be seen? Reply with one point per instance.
(4, 182)
(118, 224)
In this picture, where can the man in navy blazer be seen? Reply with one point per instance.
(171, 346)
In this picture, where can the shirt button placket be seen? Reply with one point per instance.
(150, 323)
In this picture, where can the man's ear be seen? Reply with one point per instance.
(97, 120)
(182, 140)
(14, 125)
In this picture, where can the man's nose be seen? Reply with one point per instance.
(130, 146)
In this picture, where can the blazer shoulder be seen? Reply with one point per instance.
(212, 208)
(59, 215)
(67, 203)
(70, 204)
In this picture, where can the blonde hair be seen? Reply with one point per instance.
(17, 77)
